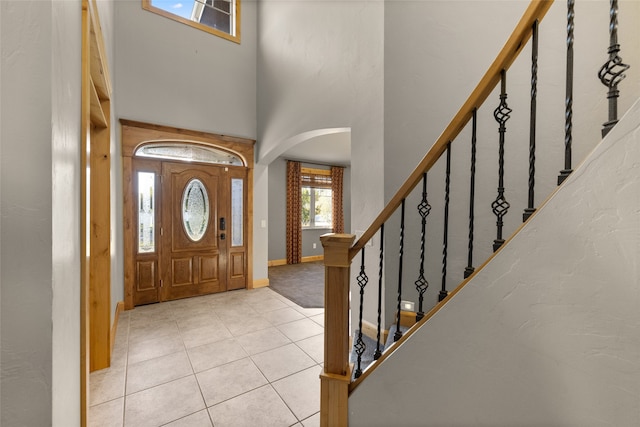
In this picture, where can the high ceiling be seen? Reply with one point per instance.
(331, 149)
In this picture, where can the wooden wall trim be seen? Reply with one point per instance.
(116, 318)
(277, 262)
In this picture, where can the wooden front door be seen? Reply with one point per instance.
(194, 216)
(190, 237)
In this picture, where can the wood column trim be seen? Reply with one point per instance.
(334, 399)
(334, 384)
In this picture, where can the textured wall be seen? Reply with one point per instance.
(547, 333)
(435, 54)
(171, 74)
(40, 250)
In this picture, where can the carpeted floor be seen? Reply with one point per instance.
(302, 283)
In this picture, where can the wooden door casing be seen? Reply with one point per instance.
(135, 135)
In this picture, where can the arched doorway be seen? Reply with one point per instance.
(187, 205)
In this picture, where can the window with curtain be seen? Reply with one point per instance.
(314, 200)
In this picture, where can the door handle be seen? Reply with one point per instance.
(222, 236)
(223, 224)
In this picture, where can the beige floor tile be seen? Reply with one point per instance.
(152, 313)
(107, 414)
(312, 421)
(248, 325)
(193, 310)
(215, 354)
(150, 331)
(314, 347)
(164, 403)
(282, 361)
(119, 353)
(160, 370)
(267, 304)
(106, 384)
(263, 340)
(318, 318)
(205, 335)
(230, 380)
(301, 392)
(150, 349)
(301, 329)
(309, 312)
(283, 315)
(199, 419)
(198, 320)
(233, 312)
(267, 409)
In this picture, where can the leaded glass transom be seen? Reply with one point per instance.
(189, 153)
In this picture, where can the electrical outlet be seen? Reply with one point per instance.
(408, 305)
(314, 246)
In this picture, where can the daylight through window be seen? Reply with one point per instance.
(316, 199)
(219, 17)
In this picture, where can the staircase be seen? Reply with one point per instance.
(544, 332)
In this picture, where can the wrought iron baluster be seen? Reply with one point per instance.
(422, 284)
(398, 333)
(612, 72)
(568, 102)
(378, 352)
(500, 206)
(360, 346)
(530, 209)
(445, 243)
(468, 271)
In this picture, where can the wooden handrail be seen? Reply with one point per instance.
(535, 12)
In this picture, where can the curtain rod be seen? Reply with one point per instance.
(314, 163)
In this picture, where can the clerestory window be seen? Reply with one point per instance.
(219, 17)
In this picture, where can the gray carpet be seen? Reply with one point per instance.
(301, 283)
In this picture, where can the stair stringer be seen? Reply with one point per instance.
(548, 333)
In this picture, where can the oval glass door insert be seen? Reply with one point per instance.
(195, 209)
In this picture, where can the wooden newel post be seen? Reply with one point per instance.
(334, 380)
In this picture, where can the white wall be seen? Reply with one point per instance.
(321, 65)
(435, 54)
(547, 333)
(40, 244)
(171, 74)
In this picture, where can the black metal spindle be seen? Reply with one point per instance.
(500, 206)
(398, 333)
(468, 271)
(359, 345)
(378, 352)
(612, 72)
(568, 102)
(530, 209)
(445, 242)
(422, 284)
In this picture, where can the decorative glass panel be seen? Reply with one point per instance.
(237, 219)
(189, 153)
(146, 212)
(195, 209)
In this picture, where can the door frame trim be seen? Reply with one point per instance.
(133, 135)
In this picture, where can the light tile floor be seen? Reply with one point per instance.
(240, 358)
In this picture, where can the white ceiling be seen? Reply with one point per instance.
(331, 149)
